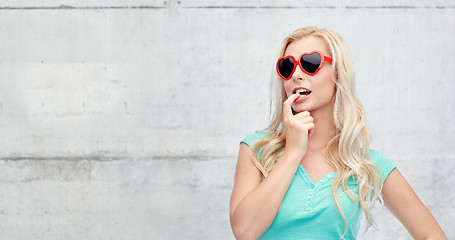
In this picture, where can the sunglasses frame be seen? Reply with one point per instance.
(297, 62)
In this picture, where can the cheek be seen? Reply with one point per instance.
(329, 83)
(325, 88)
(333, 88)
(331, 91)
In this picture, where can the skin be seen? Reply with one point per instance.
(318, 105)
(308, 132)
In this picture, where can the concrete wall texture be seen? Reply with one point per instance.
(122, 119)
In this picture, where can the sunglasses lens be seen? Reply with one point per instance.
(285, 67)
(311, 62)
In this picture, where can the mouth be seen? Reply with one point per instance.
(302, 91)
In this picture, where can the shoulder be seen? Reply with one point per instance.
(251, 139)
(384, 164)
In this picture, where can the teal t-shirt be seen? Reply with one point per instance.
(308, 211)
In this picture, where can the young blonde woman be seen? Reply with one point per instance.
(310, 174)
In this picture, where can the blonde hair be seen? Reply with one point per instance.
(348, 149)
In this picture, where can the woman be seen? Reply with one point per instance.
(310, 174)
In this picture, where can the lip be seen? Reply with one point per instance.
(301, 98)
(297, 88)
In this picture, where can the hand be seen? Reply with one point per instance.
(297, 127)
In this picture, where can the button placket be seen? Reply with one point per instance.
(310, 198)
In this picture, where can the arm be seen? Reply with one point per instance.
(403, 202)
(255, 202)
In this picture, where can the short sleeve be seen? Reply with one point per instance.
(383, 163)
(252, 138)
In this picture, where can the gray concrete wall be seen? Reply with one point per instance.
(121, 119)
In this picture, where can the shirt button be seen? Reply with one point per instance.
(312, 185)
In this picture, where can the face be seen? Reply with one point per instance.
(320, 86)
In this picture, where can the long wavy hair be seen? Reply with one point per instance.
(348, 149)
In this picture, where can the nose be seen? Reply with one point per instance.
(298, 74)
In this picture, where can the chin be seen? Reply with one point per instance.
(300, 108)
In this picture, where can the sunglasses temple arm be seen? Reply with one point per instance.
(327, 59)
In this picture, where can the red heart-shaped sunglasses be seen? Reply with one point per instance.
(309, 62)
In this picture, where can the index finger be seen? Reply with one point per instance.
(287, 109)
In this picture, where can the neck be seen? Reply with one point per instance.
(324, 130)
